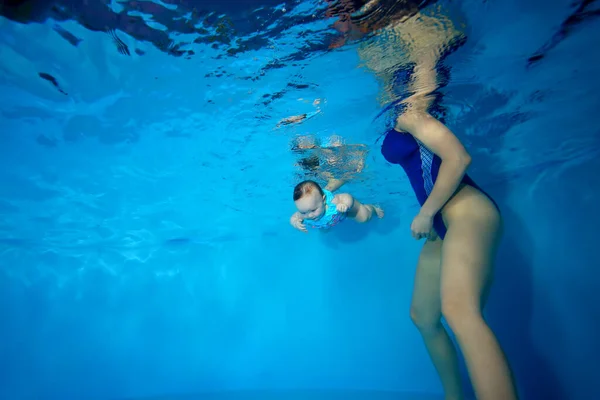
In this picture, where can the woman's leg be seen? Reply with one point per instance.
(468, 252)
(426, 313)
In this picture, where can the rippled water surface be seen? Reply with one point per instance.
(109, 111)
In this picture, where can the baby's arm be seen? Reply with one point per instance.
(297, 222)
(344, 202)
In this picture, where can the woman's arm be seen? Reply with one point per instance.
(334, 184)
(455, 158)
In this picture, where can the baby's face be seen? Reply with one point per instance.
(311, 206)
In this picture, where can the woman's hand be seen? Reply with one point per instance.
(422, 227)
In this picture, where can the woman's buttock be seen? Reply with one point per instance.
(470, 203)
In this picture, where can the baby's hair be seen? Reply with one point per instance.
(306, 187)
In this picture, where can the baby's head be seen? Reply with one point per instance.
(309, 199)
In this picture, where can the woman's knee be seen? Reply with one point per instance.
(425, 320)
(459, 309)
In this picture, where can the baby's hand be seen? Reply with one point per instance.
(296, 222)
(341, 207)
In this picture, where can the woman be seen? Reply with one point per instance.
(453, 274)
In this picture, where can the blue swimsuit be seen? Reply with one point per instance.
(421, 166)
(330, 218)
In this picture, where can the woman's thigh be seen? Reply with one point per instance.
(469, 249)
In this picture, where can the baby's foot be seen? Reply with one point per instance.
(378, 211)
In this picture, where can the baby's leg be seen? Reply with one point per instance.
(365, 212)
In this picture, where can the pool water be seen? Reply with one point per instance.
(148, 164)
(303, 394)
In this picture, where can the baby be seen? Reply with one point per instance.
(319, 208)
